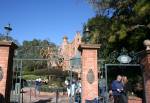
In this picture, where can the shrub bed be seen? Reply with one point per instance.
(46, 88)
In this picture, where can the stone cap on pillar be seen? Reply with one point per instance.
(8, 44)
(89, 46)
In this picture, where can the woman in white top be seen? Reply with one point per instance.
(67, 83)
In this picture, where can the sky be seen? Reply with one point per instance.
(44, 19)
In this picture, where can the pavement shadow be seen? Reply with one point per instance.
(44, 101)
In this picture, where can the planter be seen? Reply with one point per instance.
(133, 99)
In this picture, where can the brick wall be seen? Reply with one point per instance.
(6, 61)
(4, 52)
(134, 100)
(89, 61)
(145, 61)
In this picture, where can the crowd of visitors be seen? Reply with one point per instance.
(74, 89)
(118, 90)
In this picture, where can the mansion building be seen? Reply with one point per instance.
(69, 50)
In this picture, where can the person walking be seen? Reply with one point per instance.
(124, 96)
(72, 89)
(78, 92)
(36, 86)
(102, 87)
(39, 84)
(117, 88)
(67, 83)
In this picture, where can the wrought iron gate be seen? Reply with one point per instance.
(24, 91)
(16, 81)
(22, 88)
(122, 63)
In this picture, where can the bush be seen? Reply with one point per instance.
(30, 77)
(28, 73)
(46, 88)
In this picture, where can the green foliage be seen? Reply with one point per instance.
(99, 27)
(112, 38)
(52, 71)
(128, 26)
(27, 72)
(100, 6)
(30, 77)
(142, 8)
(9, 38)
(46, 88)
(38, 57)
(32, 50)
(122, 32)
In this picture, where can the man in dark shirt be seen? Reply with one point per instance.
(117, 88)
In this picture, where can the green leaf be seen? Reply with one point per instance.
(112, 38)
(122, 32)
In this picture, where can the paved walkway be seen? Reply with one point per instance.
(30, 96)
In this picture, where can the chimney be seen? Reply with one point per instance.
(65, 40)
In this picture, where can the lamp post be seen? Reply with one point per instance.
(86, 32)
(100, 39)
(75, 63)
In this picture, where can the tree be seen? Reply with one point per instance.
(9, 38)
(32, 50)
(129, 27)
(129, 24)
(41, 57)
(102, 7)
(99, 27)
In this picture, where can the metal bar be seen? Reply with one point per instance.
(70, 85)
(57, 95)
(18, 85)
(30, 91)
(123, 64)
(19, 73)
(106, 83)
(31, 59)
(99, 60)
(40, 59)
(22, 95)
(21, 77)
(12, 87)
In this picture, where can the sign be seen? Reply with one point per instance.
(124, 59)
(90, 76)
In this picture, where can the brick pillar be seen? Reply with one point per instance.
(145, 61)
(6, 62)
(89, 73)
